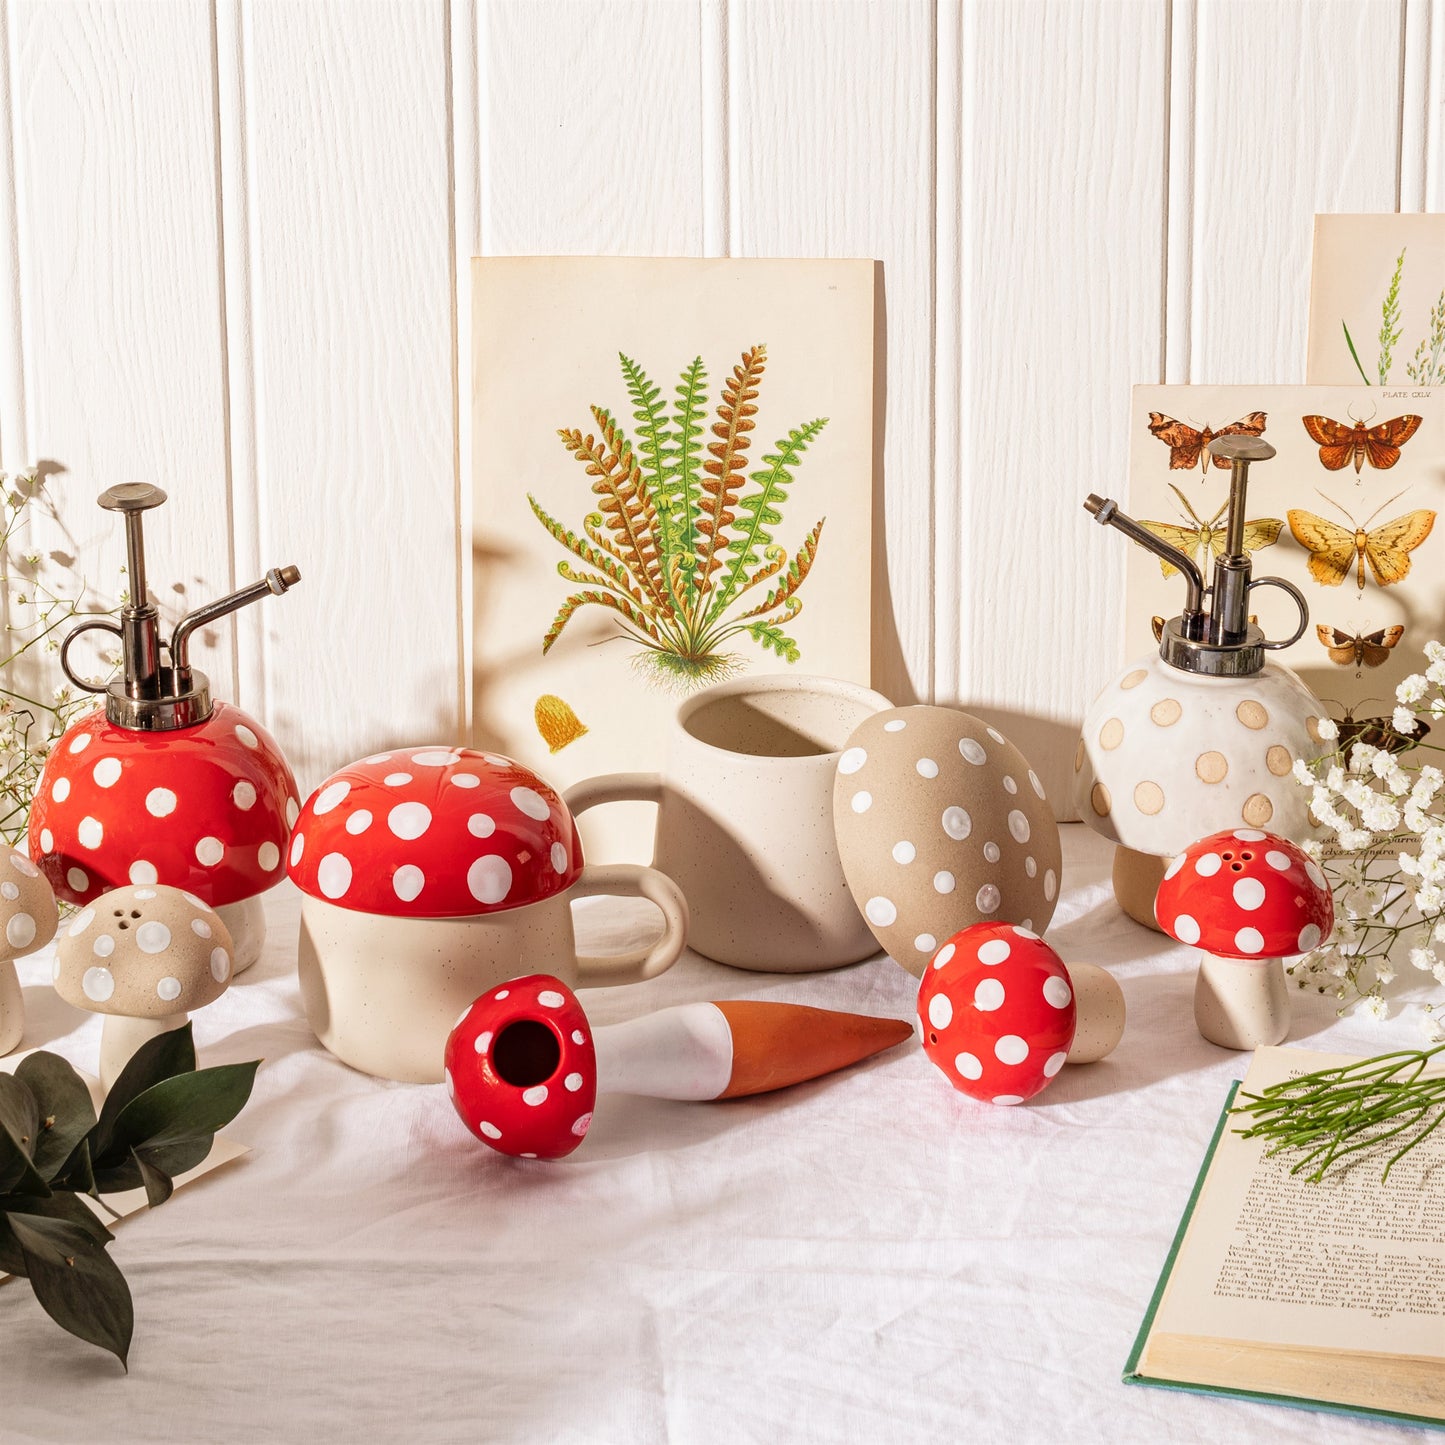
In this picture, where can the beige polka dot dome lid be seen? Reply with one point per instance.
(1166, 756)
(144, 952)
(434, 832)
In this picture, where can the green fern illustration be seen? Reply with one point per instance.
(684, 531)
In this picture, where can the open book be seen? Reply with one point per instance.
(1328, 1295)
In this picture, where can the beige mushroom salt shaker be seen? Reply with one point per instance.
(941, 823)
(27, 921)
(146, 958)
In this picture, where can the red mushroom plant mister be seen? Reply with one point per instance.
(1249, 900)
(163, 784)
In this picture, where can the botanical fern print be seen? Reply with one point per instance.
(683, 540)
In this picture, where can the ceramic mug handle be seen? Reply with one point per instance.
(634, 881)
(613, 788)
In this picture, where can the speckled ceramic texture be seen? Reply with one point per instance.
(941, 823)
(1166, 757)
(745, 820)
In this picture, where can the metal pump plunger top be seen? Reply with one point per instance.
(1214, 635)
(152, 694)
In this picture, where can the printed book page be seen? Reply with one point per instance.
(1349, 1264)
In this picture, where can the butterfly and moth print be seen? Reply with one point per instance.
(1204, 541)
(1189, 446)
(1334, 549)
(1342, 442)
(1368, 649)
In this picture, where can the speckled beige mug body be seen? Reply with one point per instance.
(384, 993)
(745, 820)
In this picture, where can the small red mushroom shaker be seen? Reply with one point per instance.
(1249, 900)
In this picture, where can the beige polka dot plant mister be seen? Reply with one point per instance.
(1202, 735)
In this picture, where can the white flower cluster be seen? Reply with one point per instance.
(1386, 858)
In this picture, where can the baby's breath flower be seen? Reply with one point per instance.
(1374, 1006)
(1328, 729)
(1403, 720)
(1411, 690)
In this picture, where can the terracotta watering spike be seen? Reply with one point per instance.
(524, 1066)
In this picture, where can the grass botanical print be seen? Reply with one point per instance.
(1427, 366)
(682, 545)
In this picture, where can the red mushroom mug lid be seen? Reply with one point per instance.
(1244, 893)
(434, 832)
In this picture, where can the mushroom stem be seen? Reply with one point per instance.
(1241, 1003)
(1137, 877)
(12, 1008)
(122, 1036)
(246, 922)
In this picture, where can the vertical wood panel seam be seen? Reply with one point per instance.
(946, 346)
(1412, 182)
(462, 87)
(716, 146)
(15, 428)
(1180, 280)
(238, 357)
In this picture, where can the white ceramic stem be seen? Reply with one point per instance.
(122, 1036)
(1242, 1004)
(246, 921)
(12, 1008)
(1137, 877)
(677, 1053)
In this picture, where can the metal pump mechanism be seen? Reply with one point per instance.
(1213, 636)
(154, 695)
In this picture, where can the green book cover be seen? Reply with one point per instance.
(1131, 1367)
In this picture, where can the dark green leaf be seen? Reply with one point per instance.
(157, 1182)
(118, 1177)
(66, 1113)
(175, 1159)
(178, 1109)
(19, 1113)
(78, 1173)
(163, 1057)
(77, 1283)
(69, 1207)
(12, 1257)
(17, 1174)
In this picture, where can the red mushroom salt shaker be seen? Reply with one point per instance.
(524, 1066)
(163, 784)
(1249, 900)
(998, 1013)
(431, 874)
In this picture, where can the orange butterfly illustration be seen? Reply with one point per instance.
(1189, 447)
(1370, 649)
(1340, 441)
(1334, 549)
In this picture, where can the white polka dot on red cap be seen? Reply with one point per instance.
(407, 882)
(465, 780)
(1186, 928)
(61, 791)
(489, 880)
(530, 802)
(1008, 1099)
(409, 820)
(330, 796)
(550, 998)
(333, 875)
(1309, 937)
(1277, 860)
(481, 825)
(243, 795)
(268, 855)
(161, 802)
(397, 780)
(78, 879)
(80, 742)
(1053, 1064)
(106, 772)
(435, 758)
(1249, 940)
(246, 737)
(989, 995)
(90, 833)
(298, 847)
(994, 951)
(940, 1010)
(358, 822)
(47, 841)
(1057, 993)
(490, 1130)
(559, 857)
(968, 1065)
(944, 956)
(210, 851)
(293, 811)
(537, 1094)
(143, 872)
(1011, 1049)
(1248, 893)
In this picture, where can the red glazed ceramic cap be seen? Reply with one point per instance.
(522, 1068)
(434, 832)
(1244, 893)
(996, 1012)
(204, 808)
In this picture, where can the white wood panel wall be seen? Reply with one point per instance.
(233, 239)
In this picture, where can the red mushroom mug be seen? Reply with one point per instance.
(431, 875)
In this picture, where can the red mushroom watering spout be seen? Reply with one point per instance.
(524, 1066)
(163, 785)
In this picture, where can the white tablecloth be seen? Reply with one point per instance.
(872, 1257)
